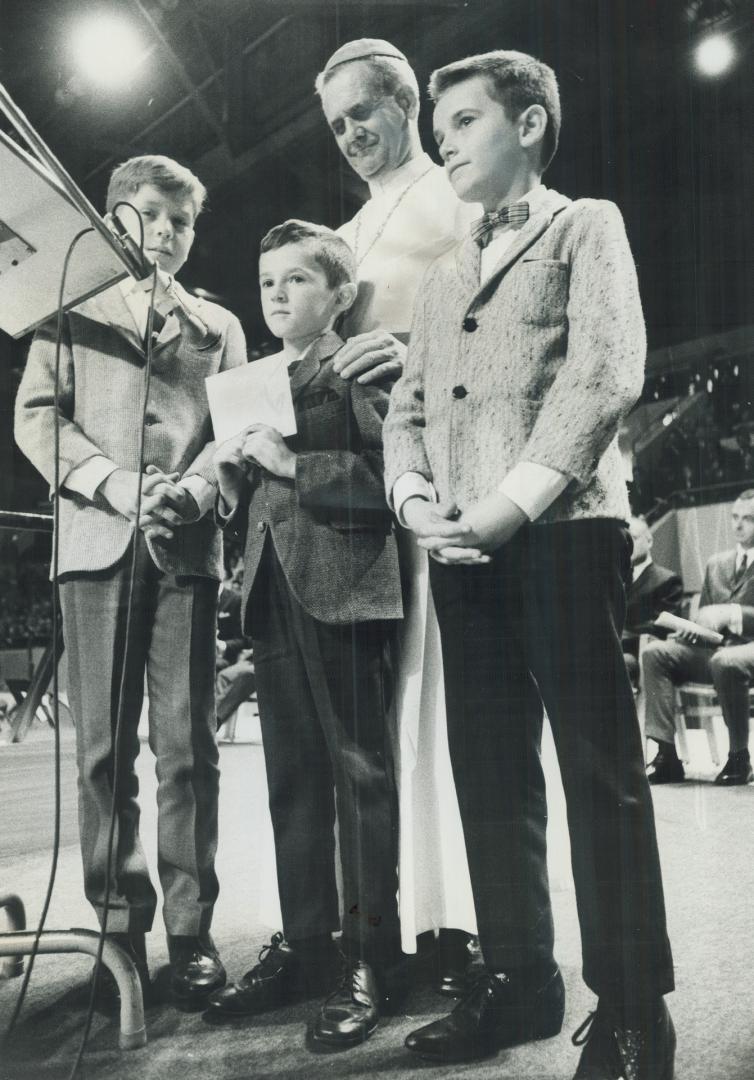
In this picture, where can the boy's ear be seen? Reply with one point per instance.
(346, 295)
(532, 124)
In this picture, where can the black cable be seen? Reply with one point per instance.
(121, 691)
(55, 630)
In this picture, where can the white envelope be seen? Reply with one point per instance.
(255, 393)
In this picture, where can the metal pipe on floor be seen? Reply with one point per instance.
(133, 1032)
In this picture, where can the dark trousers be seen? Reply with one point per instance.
(172, 636)
(667, 664)
(323, 695)
(541, 624)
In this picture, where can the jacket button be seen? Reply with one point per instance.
(470, 324)
(150, 419)
(459, 392)
(261, 526)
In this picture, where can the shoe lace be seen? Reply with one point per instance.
(267, 952)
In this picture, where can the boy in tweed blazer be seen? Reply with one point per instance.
(526, 350)
(178, 565)
(321, 596)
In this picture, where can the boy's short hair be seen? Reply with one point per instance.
(160, 171)
(516, 80)
(330, 250)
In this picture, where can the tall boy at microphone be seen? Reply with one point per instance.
(178, 564)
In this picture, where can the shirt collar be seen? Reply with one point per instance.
(638, 569)
(748, 552)
(401, 176)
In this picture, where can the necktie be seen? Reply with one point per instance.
(741, 568)
(515, 215)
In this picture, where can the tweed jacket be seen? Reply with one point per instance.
(719, 588)
(538, 364)
(332, 530)
(102, 384)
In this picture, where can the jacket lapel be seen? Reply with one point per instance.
(735, 587)
(468, 258)
(110, 308)
(320, 350)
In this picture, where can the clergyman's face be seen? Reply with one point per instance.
(371, 131)
(742, 518)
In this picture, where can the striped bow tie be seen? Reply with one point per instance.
(516, 215)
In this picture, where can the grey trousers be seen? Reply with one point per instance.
(172, 637)
(667, 664)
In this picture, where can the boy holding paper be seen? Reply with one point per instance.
(321, 596)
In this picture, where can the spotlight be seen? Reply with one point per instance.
(714, 55)
(108, 51)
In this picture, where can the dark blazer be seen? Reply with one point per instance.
(719, 588)
(101, 401)
(656, 589)
(332, 530)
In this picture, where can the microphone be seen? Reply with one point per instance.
(197, 330)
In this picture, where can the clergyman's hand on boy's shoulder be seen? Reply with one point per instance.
(265, 446)
(370, 357)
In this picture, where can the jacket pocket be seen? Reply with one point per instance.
(542, 293)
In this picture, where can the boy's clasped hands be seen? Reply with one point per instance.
(257, 444)
(453, 537)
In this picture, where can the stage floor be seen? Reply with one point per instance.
(707, 847)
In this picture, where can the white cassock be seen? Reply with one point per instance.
(412, 218)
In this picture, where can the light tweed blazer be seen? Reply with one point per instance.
(538, 364)
(102, 384)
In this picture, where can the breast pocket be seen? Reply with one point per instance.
(541, 291)
(323, 427)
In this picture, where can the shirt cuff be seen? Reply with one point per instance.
(202, 491)
(736, 624)
(85, 478)
(407, 486)
(533, 487)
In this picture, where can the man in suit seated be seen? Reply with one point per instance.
(727, 606)
(653, 589)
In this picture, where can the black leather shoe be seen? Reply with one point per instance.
(454, 960)
(497, 1011)
(737, 770)
(351, 1013)
(665, 769)
(107, 995)
(279, 978)
(196, 971)
(612, 1052)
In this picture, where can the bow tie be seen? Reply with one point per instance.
(516, 215)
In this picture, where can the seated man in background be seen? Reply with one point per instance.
(653, 589)
(727, 606)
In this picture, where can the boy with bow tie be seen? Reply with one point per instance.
(526, 351)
